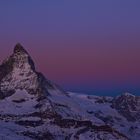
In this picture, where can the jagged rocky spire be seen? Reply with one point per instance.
(19, 48)
(22, 57)
(18, 72)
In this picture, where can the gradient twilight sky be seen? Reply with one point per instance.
(90, 46)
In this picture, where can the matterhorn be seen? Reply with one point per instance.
(35, 108)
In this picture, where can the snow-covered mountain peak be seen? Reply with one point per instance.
(18, 72)
(127, 94)
(128, 105)
(22, 59)
(126, 97)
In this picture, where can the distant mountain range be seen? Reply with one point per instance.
(34, 108)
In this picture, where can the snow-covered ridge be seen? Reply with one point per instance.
(34, 108)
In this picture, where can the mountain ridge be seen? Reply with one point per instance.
(21, 67)
(37, 109)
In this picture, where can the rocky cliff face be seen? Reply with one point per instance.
(18, 72)
(34, 108)
(128, 105)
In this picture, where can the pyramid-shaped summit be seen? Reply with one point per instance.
(18, 72)
(19, 48)
(21, 57)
